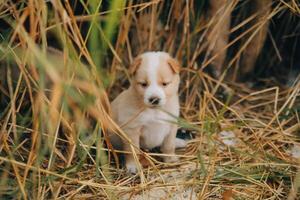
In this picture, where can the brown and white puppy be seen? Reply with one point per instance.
(146, 110)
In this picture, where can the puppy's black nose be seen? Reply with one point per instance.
(154, 100)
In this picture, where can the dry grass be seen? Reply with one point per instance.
(55, 109)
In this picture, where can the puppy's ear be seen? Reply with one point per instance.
(134, 66)
(174, 65)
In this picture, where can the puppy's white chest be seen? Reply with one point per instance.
(153, 116)
(154, 129)
(153, 135)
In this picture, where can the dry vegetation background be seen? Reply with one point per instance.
(62, 61)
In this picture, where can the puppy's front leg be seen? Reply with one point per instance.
(134, 136)
(168, 145)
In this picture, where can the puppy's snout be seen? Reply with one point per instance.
(154, 101)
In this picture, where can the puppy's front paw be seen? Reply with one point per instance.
(171, 159)
(131, 168)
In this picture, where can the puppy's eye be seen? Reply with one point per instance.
(165, 84)
(143, 84)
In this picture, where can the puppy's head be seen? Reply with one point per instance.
(155, 77)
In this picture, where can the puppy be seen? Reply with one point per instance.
(146, 110)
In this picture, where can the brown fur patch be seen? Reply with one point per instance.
(135, 65)
(174, 65)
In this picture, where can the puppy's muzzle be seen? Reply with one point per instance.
(154, 101)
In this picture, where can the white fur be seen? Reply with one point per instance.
(155, 128)
(154, 90)
(180, 143)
